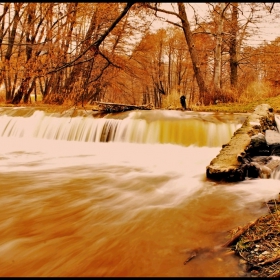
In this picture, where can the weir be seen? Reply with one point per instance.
(163, 127)
(145, 127)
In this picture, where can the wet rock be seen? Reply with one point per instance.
(265, 172)
(258, 145)
(266, 165)
(254, 170)
(273, 163)
(272, 137)
(234, 162)
(262, 159)
(275, 150)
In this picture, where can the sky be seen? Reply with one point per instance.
(267, 29)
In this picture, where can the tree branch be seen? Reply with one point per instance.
(163, 11)
(108, 60)
(95, 45)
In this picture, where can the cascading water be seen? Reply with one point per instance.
(276, 172)
(155, 127)
(120, 195)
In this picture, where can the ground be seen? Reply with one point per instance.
(258, 243)
(249, 107)
(274, 102)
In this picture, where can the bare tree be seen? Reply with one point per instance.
(7, 68)
(218, 49)
(233, 45)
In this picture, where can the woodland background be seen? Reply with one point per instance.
(79, 53)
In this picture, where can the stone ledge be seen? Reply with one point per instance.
(233, 161)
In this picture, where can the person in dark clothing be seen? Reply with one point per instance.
(183, 102)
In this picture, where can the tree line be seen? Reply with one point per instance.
(86, 52)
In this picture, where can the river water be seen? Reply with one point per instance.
(120, 195)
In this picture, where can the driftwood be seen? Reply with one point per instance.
(239, 233)
(257, 244)
(116, 107)
(194, 254)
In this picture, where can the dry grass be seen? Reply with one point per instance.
(259, 244)
(236, 102)
(256, 93)
(244, 107)
(171, 101)
(236, 107)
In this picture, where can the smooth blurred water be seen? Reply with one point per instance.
(129, 205)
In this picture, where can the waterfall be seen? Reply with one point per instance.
(276, 172)
(161, 127)
(277, 120)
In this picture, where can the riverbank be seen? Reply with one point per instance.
(248, 107)
(258, 243)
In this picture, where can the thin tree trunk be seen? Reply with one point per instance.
(193, 53)
(22, 90)
(218, 52)
(3, 31)
(168, 90)
(26, 96)
(30, 36)
(91, 48)
(9, 51)
(233, 46)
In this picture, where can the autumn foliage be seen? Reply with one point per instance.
(79, 53)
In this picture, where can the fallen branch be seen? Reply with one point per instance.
(190, 258)
(117, 107)
(271, 260)
(238, 234)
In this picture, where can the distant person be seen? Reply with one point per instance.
(183, 102)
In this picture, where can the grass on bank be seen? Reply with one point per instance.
(245, 107)
(239, 101)
(255, 93)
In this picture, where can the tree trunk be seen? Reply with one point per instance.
(194, 56)
(218, 52)
(168, 90)
(11, 40)
(26, 96)
(21, 91)
(91, 48)
(30, 37)
(233, 46)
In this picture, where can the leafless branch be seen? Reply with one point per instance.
(163, 11)
(269, 8)
(95, 45)
(100, 74)
(176, 24)
(109, 61)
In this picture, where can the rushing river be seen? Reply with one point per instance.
(120, 195)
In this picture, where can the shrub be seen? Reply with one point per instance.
(255, 91)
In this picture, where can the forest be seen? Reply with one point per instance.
(82, 53)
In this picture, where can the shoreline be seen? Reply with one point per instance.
(257, 243)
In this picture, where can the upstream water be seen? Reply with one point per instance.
(120, 195)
